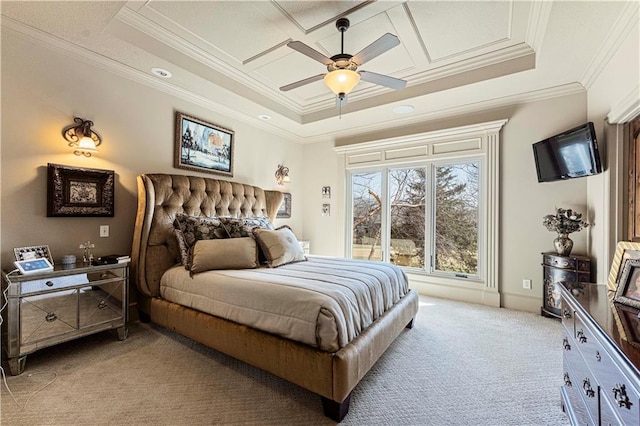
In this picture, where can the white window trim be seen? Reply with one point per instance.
(477, 140)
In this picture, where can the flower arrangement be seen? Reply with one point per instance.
(565, 221)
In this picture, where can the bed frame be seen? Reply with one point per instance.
(331, 375)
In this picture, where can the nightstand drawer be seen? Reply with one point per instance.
(100, 304)
(46, 316)
(55, 283)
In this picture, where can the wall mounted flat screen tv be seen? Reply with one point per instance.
(571, 154)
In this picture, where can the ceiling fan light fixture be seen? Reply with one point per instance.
(341, 81)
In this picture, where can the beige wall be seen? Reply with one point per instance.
(41, 93)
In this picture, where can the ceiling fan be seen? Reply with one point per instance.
(342, 75)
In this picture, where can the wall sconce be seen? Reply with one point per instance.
(81, 137)
(282, 175)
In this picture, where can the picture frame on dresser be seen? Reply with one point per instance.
(625, 250)
(628, 288)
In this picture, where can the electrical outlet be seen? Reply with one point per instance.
(526, 284)
(104, 230)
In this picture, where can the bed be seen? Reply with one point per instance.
(327, 357)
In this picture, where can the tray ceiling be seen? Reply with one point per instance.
(237, 49)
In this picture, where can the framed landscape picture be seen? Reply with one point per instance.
(202, 146)
(79, 192)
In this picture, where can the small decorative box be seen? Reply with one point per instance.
(68, 259)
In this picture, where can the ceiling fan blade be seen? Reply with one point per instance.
(302, 82)
(310, 52)
(382, 80)
(378, 47)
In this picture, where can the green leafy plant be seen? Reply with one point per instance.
(564, 221)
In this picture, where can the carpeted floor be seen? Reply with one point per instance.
(461, 364)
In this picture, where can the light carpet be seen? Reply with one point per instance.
(461, 364)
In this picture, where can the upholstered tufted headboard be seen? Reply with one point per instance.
(161, 196)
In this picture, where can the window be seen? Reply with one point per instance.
(367, 216)
(451, 216)
(456, 210)
(428, 202)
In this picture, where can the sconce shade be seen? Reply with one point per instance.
(341, 81)
(81, 137)
(282, 175)
(86, 145)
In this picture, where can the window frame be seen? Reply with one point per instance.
(480, 140)
(430, 211)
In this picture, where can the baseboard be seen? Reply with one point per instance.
(519, 302)
(476, 293)
(463, 294)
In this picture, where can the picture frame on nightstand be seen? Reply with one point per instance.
(33, 252)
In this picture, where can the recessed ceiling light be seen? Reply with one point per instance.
(403, 109)
(264, 117)
(161, 72)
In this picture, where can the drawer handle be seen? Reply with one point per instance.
(49, 283)
(620, 395)
(581, 337)
(588, 391)
(598, 356)
(102, 304)
(567, 380)
(51, 317)
(565, 344)
(567, 314)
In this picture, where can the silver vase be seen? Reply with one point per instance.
(563, 244)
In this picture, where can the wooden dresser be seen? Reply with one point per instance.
(601, 357)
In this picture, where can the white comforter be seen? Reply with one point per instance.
(323, 302)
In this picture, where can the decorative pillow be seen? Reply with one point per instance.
(242, 227)
(230, 253)
(279, 246)
(189, 229)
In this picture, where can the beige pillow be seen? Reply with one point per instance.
(280, 246)
(231, 253)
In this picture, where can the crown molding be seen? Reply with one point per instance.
(94, 59)
(538, 21)
(500, 102)
(151, 29)
(627, 109)
(620, 30)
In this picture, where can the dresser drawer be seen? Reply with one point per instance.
(582, 384)
(574, 404)
(54, 283)
(623, 398)
(607, 415)
(614, 386)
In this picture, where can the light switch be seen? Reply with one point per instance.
(104, 230)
